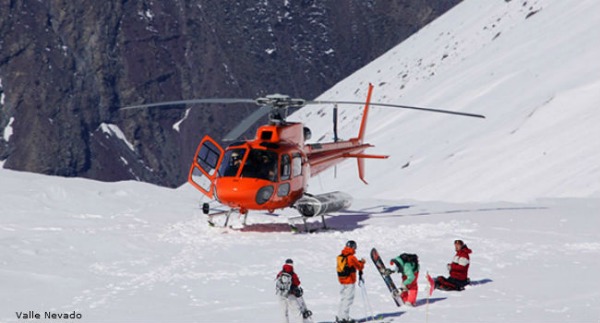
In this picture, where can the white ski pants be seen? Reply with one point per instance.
(292, 308)
(346, 300)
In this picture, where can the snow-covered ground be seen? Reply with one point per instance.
(133, 252)
(521, 188)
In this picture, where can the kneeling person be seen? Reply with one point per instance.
(407, 265)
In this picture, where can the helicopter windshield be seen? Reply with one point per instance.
(232, 160)
(261, 164)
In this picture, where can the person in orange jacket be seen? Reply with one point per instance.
(347, 266)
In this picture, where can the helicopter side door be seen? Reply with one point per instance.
(204, 167)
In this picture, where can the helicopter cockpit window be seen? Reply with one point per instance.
(296, 165)
(231, 162)
(261, 164)
(285, 167)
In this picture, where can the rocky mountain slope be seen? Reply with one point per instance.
(66, 68)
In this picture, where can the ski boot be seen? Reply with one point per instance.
(306, 314)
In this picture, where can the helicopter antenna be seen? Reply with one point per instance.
(335, 134)
(335, 119)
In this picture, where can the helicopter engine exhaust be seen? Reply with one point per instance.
(321, 204)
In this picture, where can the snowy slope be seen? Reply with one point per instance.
(531, 69)
(520, 187)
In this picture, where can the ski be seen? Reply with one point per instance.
(386, 278)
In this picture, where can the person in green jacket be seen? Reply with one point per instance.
(407, 265)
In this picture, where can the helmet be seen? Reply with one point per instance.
(351, 244)
(289, 261)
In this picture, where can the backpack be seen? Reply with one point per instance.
(411, 258)
(342, 267)
(283, 284)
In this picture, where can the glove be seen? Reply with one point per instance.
(298, 292)
(449, 267)
(387, 272)
(403, 288)
(362, 260)
(396, 265)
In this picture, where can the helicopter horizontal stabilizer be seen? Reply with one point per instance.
(361, 164)
(366, 156)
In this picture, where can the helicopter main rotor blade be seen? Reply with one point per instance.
(193, 101)
(247, 123)
(466, 114)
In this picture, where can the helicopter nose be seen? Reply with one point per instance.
(242, 193)
(228, 192)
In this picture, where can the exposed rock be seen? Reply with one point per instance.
(66, 68)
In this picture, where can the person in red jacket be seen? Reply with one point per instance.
(458, 268)
(347, 266)
(290, 297)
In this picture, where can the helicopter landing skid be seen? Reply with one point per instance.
(227, 214)
(293, 223)
(211, 217)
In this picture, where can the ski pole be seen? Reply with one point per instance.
(365, 297)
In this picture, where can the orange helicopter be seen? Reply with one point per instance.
(272, 170)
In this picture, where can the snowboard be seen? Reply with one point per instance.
(386, 278)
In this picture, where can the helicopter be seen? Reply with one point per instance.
(272, 170)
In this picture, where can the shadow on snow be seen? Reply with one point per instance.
(422, 302)
(349, 220)
(376, 317)
(480, 282)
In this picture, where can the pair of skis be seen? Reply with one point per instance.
(388, 279)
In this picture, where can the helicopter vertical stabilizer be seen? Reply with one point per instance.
(363, 123)
(361, 133)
